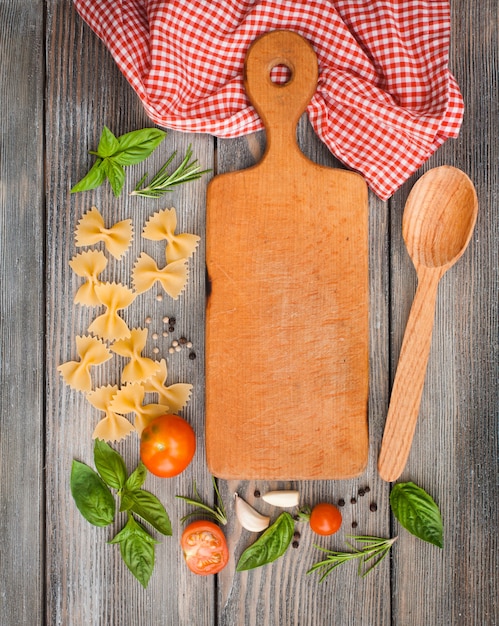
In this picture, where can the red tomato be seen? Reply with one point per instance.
(167, 445)
(325, 519)
(204, 547)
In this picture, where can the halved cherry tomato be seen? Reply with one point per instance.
(325, 519)
(167, 445)
(204, 547)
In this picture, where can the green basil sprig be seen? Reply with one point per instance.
(114, 153)
(96, 502)
(271, 544)
(417, 512)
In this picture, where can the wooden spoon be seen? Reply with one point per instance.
(439, 218)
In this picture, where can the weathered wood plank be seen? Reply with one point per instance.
(87, 580)
(21, 313)
(455, 451)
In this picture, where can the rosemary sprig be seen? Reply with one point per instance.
(163, 182)
(375, 549)
(217, 512)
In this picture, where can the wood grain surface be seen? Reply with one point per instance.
(58, 87)
(287, 314)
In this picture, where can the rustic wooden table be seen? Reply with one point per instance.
(58, 87)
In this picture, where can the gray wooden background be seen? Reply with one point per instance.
(58, 87)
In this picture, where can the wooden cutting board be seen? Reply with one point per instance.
(287, 310)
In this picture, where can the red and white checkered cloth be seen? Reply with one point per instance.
(385, 99)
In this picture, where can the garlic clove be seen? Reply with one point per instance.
(249, 517)
(284, 499)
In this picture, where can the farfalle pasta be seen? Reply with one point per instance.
(139, 368)
(89, 265)
(174, 396)
(91, 230)
(162, 226)
(112, 427)
(129, 399)
(109, 325)
(92, 352)
(172, 277)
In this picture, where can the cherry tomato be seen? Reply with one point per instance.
(204, 547)
(167, 445)
(325, 519)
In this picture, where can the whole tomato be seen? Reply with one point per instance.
(325, 519)
(204, 547)
(167, 445)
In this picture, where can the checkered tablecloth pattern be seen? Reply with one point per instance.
(385, 99)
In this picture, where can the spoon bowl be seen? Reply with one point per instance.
(439, 218)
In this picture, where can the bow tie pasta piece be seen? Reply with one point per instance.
(139, 368)
(91, 230)
(109, 325)
(161, 226)
(129, 399)
(175, 396)
(173, 277)
(112, 427)
(92, 352)
(89, 265)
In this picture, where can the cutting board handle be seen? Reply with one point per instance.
(280, 105)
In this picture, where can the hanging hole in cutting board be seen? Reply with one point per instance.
(281, 74)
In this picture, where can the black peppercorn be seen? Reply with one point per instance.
(353, 500)
(361, 492)
(295, 544)
(257, 493)
(341, 502)
(297, 534)
(192, 356)
(373, 507)
(354, 524)
(367, 489)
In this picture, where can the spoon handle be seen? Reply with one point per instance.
(409, 378)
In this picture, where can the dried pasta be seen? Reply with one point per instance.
(139, 368)
(161, 226)
(92, 352)
(129, 399)
(175, 396)
(91, 230)
(112, 427)
(109, 325)
(89, 265)
(172, 277)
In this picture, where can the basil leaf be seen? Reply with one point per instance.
(136, 146)
(108, 143)
(150, 509)
(115, 174)
(93, 179)
(417, 512)
(137, 550)
(91, 495)
(109, 464)
(272, 544)
(137, 477)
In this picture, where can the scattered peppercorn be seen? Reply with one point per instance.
(192, 356)
(257, 493)
(373, 507)
(182, 341)
(341, 502)
(295, 544)
(367, 489)
(354, 524)
(297, 534)
(171, 328)
(353, 500)
(173, 321)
